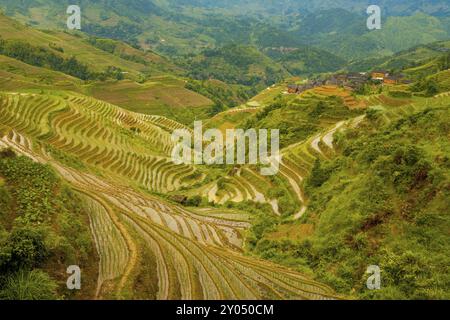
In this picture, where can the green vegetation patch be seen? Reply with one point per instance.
(383, 201)
(43, 230)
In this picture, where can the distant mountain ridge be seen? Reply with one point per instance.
(391, 7)
(177, 27)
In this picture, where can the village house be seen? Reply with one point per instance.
(333, 81)
(391, 80)
(293, 88)
(396, 79)
(379, 75)
(357, 80)
(350, 81)
(297, 89)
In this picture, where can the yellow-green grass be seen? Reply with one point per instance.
(16, 75)
(294, 232)
(230, 119)
(164, 96)
(269, 94)
(443, 80)
(77, 45)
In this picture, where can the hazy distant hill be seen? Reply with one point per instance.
(235, 64)
(415, 56)
(306, 60)
(392, 7)
(181, 26)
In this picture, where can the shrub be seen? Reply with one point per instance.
(29, 285)
(319, 175)
(24, 248)
(372, 114)
(7, 153)
(194, 201)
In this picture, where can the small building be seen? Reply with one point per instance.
(406, 81)
(293, 88)
(391, 80)
(342, 77)
(379, 75)
(332, 81)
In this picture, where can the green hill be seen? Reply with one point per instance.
(180, 27)
(306, 60)
(85, 50)
(235, 64)
(416, 56)
(33, 59)
(345, 33)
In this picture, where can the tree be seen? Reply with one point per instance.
(431, 88)
(318, 175)
(194, 201)
(24, 248)
(218, 107)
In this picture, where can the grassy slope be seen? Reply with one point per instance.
(417, 56)
(163, 93)
(77, 45)
(383, 200)
(17, 75)
(237, 64)
(43, 226)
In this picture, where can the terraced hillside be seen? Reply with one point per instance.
(88, 128)
(353, 217)
(111, 70)
(87, 176)
(299, 159)
(116, 159)
(119, 162)
(303, 120)
(246, 184)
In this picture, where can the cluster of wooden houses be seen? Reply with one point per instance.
(351, 81)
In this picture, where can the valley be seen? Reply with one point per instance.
(87, 175)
